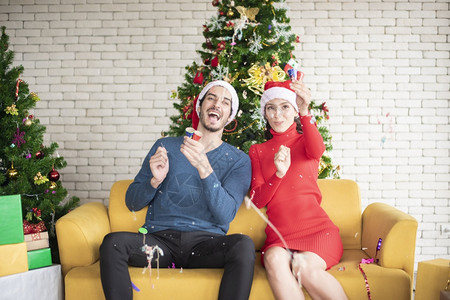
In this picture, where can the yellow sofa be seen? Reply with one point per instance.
(81, 232)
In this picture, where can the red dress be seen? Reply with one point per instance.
(293, 202)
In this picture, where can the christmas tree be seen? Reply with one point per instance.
(247, 43)
(27, 167)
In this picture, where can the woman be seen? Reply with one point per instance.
(284, 179)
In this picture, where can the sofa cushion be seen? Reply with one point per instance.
(249, 222)
(384, 283)
(84, 283)
(341, 200)
(120, 217)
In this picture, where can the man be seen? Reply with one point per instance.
(193, 190)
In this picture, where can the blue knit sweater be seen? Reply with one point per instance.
(184, 201)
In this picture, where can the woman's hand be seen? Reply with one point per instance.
(303, 96)
(282, 160)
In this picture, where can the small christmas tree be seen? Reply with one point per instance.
(246, 44)
(27, 167)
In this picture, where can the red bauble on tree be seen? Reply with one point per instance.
(39, 154)
(53, 175)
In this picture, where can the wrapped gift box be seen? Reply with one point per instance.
(11, 226)
(43, 283)
(13, 259)
(39, 258)
(37, 240)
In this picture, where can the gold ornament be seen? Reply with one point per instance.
(247, 18)
(248, 13)
(53, 185)
(12, 110)
(12, 173)
(28, 122)
(228, 78)
(35, 97)
(259, 75)
(39, 179)
(230, 13)
(322, 166)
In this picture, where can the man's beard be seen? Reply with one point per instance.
(209, 128)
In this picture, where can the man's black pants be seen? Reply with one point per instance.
(199, 249)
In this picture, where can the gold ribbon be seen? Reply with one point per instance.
(259, 75)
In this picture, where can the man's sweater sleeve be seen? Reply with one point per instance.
(226, 197)
(140, 192)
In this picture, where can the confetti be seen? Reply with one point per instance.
(135, 287)
(369, 261)
(387, 128)
(150, 251)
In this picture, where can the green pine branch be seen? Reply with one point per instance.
(25, 162)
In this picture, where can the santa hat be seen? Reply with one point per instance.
(278, 90)
(226, 85)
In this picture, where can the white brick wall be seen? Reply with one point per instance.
(105, 69)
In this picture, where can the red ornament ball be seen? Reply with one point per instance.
(39, 154)
(53, 175)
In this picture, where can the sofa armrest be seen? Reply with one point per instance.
(80, 234)
(398, 232)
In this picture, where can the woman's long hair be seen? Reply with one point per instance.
(268, 135)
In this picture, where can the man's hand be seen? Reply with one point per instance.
(282, 160)
(159, 165)
(196, 154)
(303, 96)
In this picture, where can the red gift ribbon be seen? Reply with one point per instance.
(36, 236)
